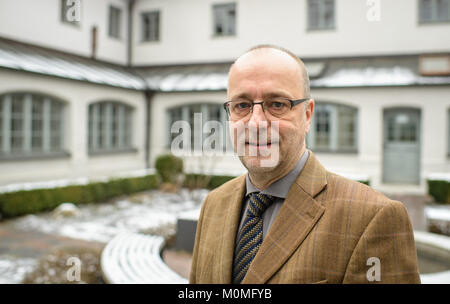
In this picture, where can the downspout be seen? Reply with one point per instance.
(148, 114)
(147, 93)
(131, 4)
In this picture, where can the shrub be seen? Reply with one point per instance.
(169, 167)
(193, 181)
(439, 190)
(32, 201)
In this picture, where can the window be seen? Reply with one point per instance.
(448, 132)
(225, 19)
(209, 112)
(114, 21)
(71, 11)
(434, 11)
(109, 127)
(333, 128)
(150, 26)
(402, 128)
(30, 124)
(321, 14)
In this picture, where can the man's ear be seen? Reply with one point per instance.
(309, 111)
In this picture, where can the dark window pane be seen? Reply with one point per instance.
(224, 19)
(150, 24)
(443, 10)
(114, 21)
(426, 10)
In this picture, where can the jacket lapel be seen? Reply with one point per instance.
(229, 231)
(298, 215)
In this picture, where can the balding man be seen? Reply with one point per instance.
(292, 221)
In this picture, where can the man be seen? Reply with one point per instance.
(293, 221)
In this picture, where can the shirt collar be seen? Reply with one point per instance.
(281, 187)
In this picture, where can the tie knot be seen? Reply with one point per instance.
(259, 203)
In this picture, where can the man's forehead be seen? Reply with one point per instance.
(264, 57)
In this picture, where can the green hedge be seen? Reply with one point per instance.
(365, 182)
(212, 181)
(168, 167)
(439, 190)
(31, 201)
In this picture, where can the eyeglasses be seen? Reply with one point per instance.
(279, 106)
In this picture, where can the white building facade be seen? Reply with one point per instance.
(91, 88)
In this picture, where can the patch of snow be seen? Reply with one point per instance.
(368, 76)
(101, 222)
(441, 213)
(439, 176)
(14, 269)
(192, 215)
(436, 278)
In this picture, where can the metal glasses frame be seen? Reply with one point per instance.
(293, 104)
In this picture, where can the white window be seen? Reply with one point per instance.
(333, 128)
(209, 112)
(30, 125)
(448, 133)
(150, 26)
(224, 19)
(434, 11)
(321, 14)
(71, 11)
(109, 127)
(114, 21)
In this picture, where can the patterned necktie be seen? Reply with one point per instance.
(250, 236)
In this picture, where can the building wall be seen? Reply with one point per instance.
(433, 103)
(186, 31)
(39, 22)
(78, 96)
(370, 102)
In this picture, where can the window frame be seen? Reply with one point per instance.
(321, 11)
(100, 134)
(157, 32)
(448, 132)
(205, 109)
(335, 129)
(26, 117)
(224, 6)
(434, 19)
(112, 27)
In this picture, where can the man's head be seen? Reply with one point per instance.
(266, 72)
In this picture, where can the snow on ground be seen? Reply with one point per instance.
(441, 213)
(14, 269)
(101, 222)
(144, 212)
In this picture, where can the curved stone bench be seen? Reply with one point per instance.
(132, 258)
(435, 246)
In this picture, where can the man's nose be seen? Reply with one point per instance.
(257, 114)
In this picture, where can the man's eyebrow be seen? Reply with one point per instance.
(276, 94)
(242, 96)
(265, 96)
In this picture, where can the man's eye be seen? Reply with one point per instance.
(242, 105)
(277, 105)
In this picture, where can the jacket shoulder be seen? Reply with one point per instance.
(343, 191)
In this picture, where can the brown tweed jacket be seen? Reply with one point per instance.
(325, 232)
